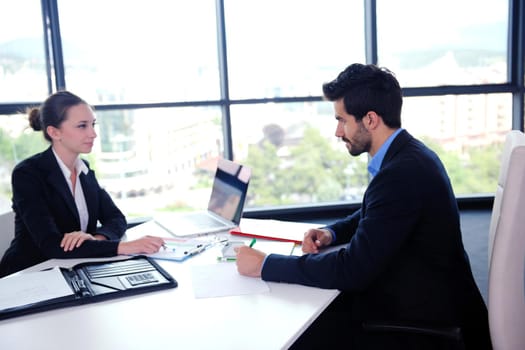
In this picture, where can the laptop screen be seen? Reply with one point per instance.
(229, 189)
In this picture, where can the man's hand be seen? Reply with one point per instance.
(249, 261)
(316, 238)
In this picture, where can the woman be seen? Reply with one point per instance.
(56, 198)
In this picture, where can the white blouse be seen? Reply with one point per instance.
(77, 192)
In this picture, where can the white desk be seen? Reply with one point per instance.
(172, 319)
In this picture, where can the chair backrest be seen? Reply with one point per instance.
(506, 294)
(513, 139)
(7, 230)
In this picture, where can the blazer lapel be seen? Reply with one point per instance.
(56, 179)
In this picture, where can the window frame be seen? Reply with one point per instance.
(515, 86)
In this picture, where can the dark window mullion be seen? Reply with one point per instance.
(515, 60)
(370, 31)
(45, 23)
(53, 42)
(223, 76)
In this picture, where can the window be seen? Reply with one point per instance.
(153, 72)
(17, 142)
(466, 131)
(296, 158)
(158, 160)
(445, 42)
(22, 52)
(288, 48)
(140, 51)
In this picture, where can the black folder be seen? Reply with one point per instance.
(102, 280)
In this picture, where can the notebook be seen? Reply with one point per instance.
(86, 282)
(225, 205)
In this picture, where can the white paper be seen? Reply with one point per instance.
(222, 279)
(277, 228)
(275, 247)
(31, 287)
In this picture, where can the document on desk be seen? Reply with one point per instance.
(86, 282)
(180, 249)
(33, 287)
(278, 230)
(222, 279)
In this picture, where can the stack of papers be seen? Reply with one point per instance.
(33, 287)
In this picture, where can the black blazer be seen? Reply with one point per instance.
(45, 210)
(404, 259)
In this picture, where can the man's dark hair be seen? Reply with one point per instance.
(367, 88)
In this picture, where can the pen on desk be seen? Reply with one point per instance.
(223, 258)
(252, 242)
(166, 247)
(198, 249)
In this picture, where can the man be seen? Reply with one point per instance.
(403, 260)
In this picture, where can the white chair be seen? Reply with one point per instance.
(7, 230)
(506, 290)
(514, 139)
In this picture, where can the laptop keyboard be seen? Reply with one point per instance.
(204, 221)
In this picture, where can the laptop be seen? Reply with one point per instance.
(225, 205)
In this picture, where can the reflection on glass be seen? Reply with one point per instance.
(22, 61)
(445, 42)
(136, 51)
(467, 132)
(288, 48)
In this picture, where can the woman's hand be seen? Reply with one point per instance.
(143, 245)
(74, 240)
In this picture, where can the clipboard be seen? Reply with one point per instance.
(89, 282)
(180, 249)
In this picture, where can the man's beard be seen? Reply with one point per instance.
(361, 143)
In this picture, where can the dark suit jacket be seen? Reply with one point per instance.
(405, 259)
(45, 210)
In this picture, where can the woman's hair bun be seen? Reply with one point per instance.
(34, 118)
